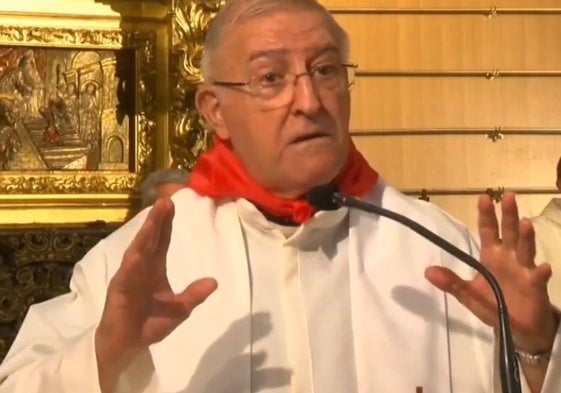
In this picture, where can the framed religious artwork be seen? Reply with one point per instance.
(77, 110)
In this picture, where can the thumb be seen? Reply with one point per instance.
(445, 280)
(449, 282)
(197, 292)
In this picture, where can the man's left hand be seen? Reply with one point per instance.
(510, 259)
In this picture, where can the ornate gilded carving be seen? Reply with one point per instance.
(60, 36)
(424, 195)
(495, 135)
(189, 23)
(491, 75)
(489, 12)
(145, 42)
(496, 195)
(75, 184)
(35, 265)
(106, 179)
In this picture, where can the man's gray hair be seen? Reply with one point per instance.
(148, 192)
(235, 11)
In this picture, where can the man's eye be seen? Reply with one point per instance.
(271, 78)
(326, 71)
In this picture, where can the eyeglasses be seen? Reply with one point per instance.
(276, 89)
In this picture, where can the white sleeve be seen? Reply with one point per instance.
(552, 381)
(54, 350)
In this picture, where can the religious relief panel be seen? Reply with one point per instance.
(36, 263)
(77, 109)
(61, 109)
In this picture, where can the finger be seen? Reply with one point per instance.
(130, 275)
(541, 275)
(526, 248)
(487, 222)
(445, 279)
(164, 237)
(146, 240)
(180, 306)
(138, 254)
(449, 282)
(509, 221)
(196, 293)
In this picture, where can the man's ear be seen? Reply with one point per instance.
(209, 108)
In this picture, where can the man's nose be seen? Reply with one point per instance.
(306, 98)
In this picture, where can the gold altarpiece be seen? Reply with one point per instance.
(94, 95)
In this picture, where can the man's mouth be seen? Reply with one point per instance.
(308, 137)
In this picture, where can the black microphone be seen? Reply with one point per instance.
(328, 198)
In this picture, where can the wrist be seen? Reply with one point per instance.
(532, 359)
(112, 360)
(541, 343)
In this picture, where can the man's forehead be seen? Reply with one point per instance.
(269, 45)
(284, 29)
(279, 53)
(278, 35)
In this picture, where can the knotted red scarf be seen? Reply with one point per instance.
(219, 174)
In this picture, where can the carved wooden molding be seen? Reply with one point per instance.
(35, 265)
(190, 21)
(489, 12)
(93, 182)
(487, 132)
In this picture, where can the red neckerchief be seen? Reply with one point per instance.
(219, 174)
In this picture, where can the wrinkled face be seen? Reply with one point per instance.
(290, 148)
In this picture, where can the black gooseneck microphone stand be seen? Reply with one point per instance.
(328, 198)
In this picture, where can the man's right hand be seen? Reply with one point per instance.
(141, 308)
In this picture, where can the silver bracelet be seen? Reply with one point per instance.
(532, 359)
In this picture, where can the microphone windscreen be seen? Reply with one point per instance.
(321, 197)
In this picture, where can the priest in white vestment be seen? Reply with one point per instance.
(237, 284)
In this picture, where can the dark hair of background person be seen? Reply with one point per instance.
(149, 188)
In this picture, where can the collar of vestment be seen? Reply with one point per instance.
(220, 174)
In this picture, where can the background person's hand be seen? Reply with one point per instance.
(141, 307)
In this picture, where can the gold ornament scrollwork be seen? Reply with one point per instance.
(495, 135)
(496, 194)
(94, 182)
(145, 42)
(60, 36)
(190, 21)
(77, 184)
(36, 265)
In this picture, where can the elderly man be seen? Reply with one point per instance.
(328, 301)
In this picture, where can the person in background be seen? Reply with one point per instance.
(162, 183)
(295, 299)
(548, 239)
